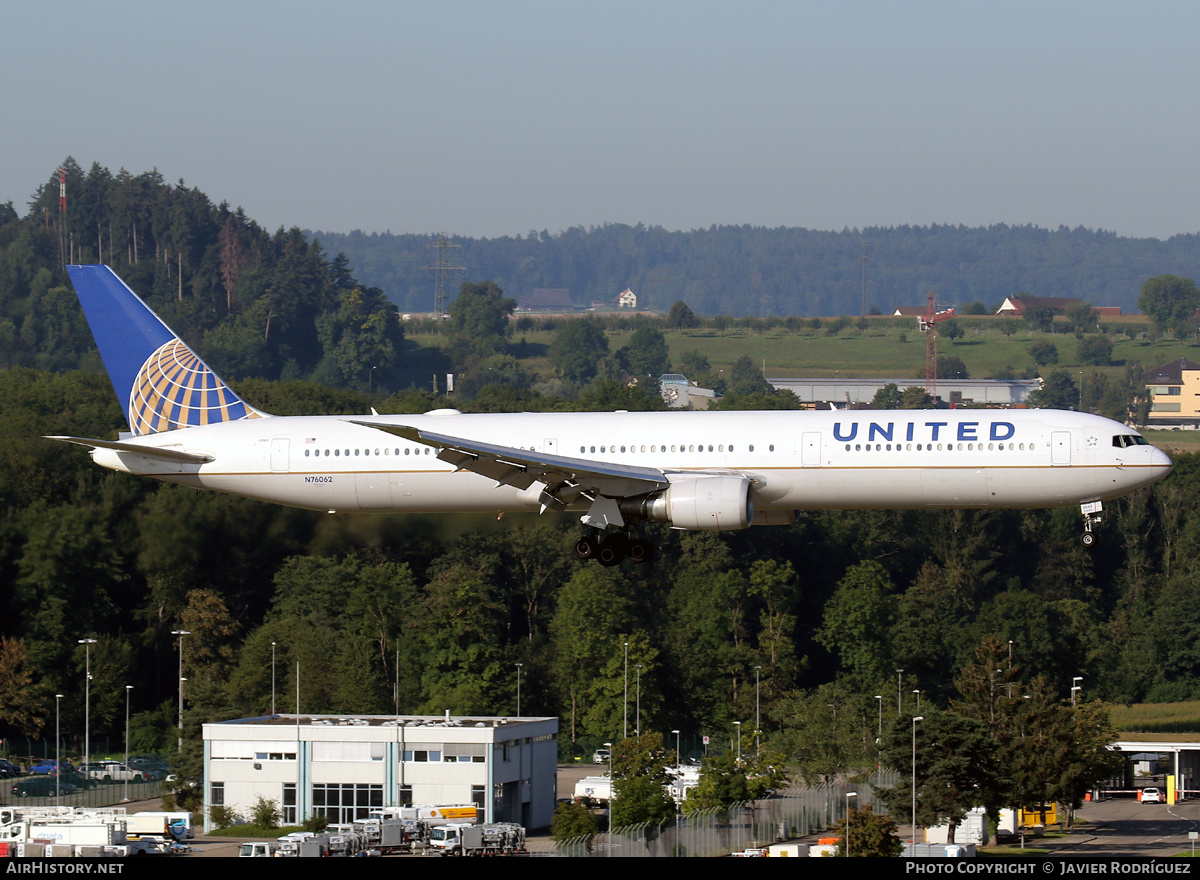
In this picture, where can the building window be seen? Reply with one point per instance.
(405, 795)
(346, 802)
(216, 794)
(477, 792)
(289, 804)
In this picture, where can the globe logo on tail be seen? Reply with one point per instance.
(175, 389)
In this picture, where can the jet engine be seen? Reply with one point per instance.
(702, 501)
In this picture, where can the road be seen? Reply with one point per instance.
(1124, 827)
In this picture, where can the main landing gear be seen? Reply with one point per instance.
(1091, 516)
(609, 550)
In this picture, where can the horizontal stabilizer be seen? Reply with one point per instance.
(162, 452)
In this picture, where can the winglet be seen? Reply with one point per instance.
(161, 382)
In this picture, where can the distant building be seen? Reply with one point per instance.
(846, 393)
(1174, 393)
(679, 393)
(626, 299)
(342, 767)
(546, 299)
(909, 312)
(1019, 305)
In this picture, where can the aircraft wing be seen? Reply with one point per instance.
(565, 477)
(160, 452)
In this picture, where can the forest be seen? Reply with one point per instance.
(754, 271)
(429, 614)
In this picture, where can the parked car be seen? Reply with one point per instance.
(1152, 796)
(47, 768)
(152, 768)
(112, 771)
(42, 786)
(8, 769)
(600, 756)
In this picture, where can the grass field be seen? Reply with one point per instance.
(1179, 722)
(888, 348)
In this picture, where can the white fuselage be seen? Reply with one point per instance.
(796, 460)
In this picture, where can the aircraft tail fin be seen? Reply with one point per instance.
(161, 383)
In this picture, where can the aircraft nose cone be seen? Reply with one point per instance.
(1161, 461)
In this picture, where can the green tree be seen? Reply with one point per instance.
(639, 782)
(23, 699)
(887, 397)
(578, 348)
(1170, 301)
(1058, 391)
(1083, 318)
(361, 340)
(572, 821)
(747, 378)
(872, 835)
(1095, 350)
(646, 354)
(955, 766)
(1045, 354)
(722, 783)
(915, 397)
(479, 323)
(856, 623)
(825, 731)
(681, 317)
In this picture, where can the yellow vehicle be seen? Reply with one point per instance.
(1041, 814)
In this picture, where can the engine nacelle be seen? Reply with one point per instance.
(704, 501)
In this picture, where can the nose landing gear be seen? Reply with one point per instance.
(1091, 516)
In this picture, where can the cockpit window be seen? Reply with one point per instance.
(1123, 440)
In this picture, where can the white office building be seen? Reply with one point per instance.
(343, 767)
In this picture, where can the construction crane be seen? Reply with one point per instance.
(928, 324)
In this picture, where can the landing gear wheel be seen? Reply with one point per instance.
(640, 550)
(587, 547)
(1087, 539)
(612, 550)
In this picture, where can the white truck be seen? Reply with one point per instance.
(78, 838)
(269, 849)
(592, 790)
(458, 839)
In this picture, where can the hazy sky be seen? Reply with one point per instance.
(496, 118)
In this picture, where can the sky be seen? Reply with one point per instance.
(486, 119)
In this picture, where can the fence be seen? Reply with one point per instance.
(789, 814)
(102, 794)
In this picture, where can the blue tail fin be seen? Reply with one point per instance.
(161, 382)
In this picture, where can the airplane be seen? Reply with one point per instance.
(693, 470)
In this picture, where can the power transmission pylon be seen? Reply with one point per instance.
(440, 267)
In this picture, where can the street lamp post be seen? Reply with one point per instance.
(757, 712)
(916, 718)
(87, 699)
(1075, 688)
(57, 753)
(637, 724)
(272, 680)
(181, 633)
(738, 725)
(899, 692)
(849, 794)
(676, 732)
(612, 793)
(625, 703)
(128, 688)
(518, 665)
